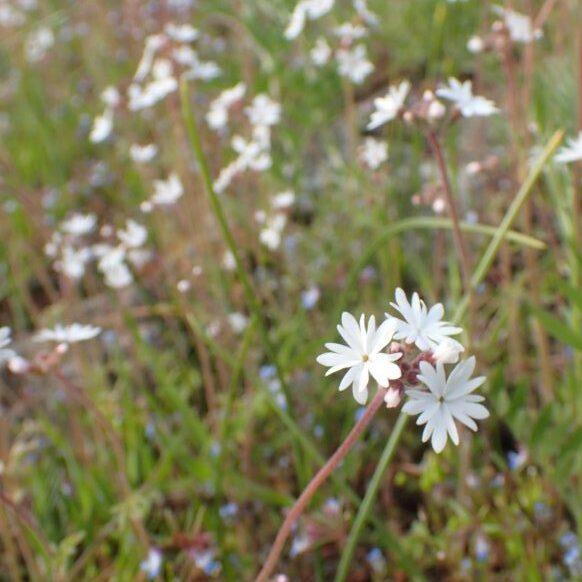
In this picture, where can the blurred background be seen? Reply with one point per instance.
(169, 446)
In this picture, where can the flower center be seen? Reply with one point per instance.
(365, 358)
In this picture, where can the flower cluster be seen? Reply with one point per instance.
(407, 355)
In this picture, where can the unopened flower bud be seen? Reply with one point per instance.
(393, 397)
(475, 44)
(447, 352)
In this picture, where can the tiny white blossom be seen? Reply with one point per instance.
(363, 355)
(303, 11)
(388, 107)
(447, 399)
(264, 111)
(519, 25)
(102, 127)
(365, 13)
(373, 153)
(238, 321)
(422, 326)
(217, 116)
(167, 191)
(68, 334)
(110, 96)
(38, 43)
(72, 262)
(134, 235)
(447, 352)
(461, 94)
(143, 154)
(181, 32)
(283, 200)
(79, 224)
(571, 152)
(353, 63)
(349, 32)
(320, 53)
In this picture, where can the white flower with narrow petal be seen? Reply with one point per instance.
(447, 399)
(571, 152)
(421, 326)
(388, 107)
(69, 334)
(461, 94)
(363, 355)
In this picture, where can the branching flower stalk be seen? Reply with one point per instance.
(398, 354)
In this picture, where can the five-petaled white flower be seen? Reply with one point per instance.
(69, 334)
(363, 355)
(571, 152)
(388, 107)
(421, 326)
(447, 399)
(461, 94)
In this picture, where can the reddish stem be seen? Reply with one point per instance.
(316, 483)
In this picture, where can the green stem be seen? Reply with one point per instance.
(368, 501)
(509, 218)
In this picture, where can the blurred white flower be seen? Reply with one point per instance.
(111, 97)
(446, 399)
(79, 224)
(422, 326)
(167, 191)
(363, 355)
(238, 321)
(102, 127)
(264, 111)
(475, 44)
(349, 32)
(153, 44)
(388, 107)
(283, 200)
(143, 154)
(520, 26)
(320, 53)
(353, 63)
(68, 334)
(217, 116)
(38, 43)
(72, 262)
(112, 265)
(461, 94)
(5, 352)
(303, 11)
(181, 32)
(361, 7)
(134, 235)
(152, 565)
(373, 153)
(270, 235)
(571, 152)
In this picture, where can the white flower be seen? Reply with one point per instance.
(134, 234)
(264, 111)
(461, 94)
(373, 153)
(238, 321)
(69, 334)
(110, 96)
(143, 154)
(283, 200)
(270, 235)
(320, 53)
(447, 399)
(152, 565)
(72, 262)
(38, 43)
(421, 326)
(354, 64)
(447, 352)
(102, 127)
(388, 107)
(217, 116)
(181, 32)
(571, 152)
(5, 340)
(520, 26)
(79, 224)
(153, 43)
(361, 7)
(167, 191)
(349, 32)
(306, 10)
(363, 355)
